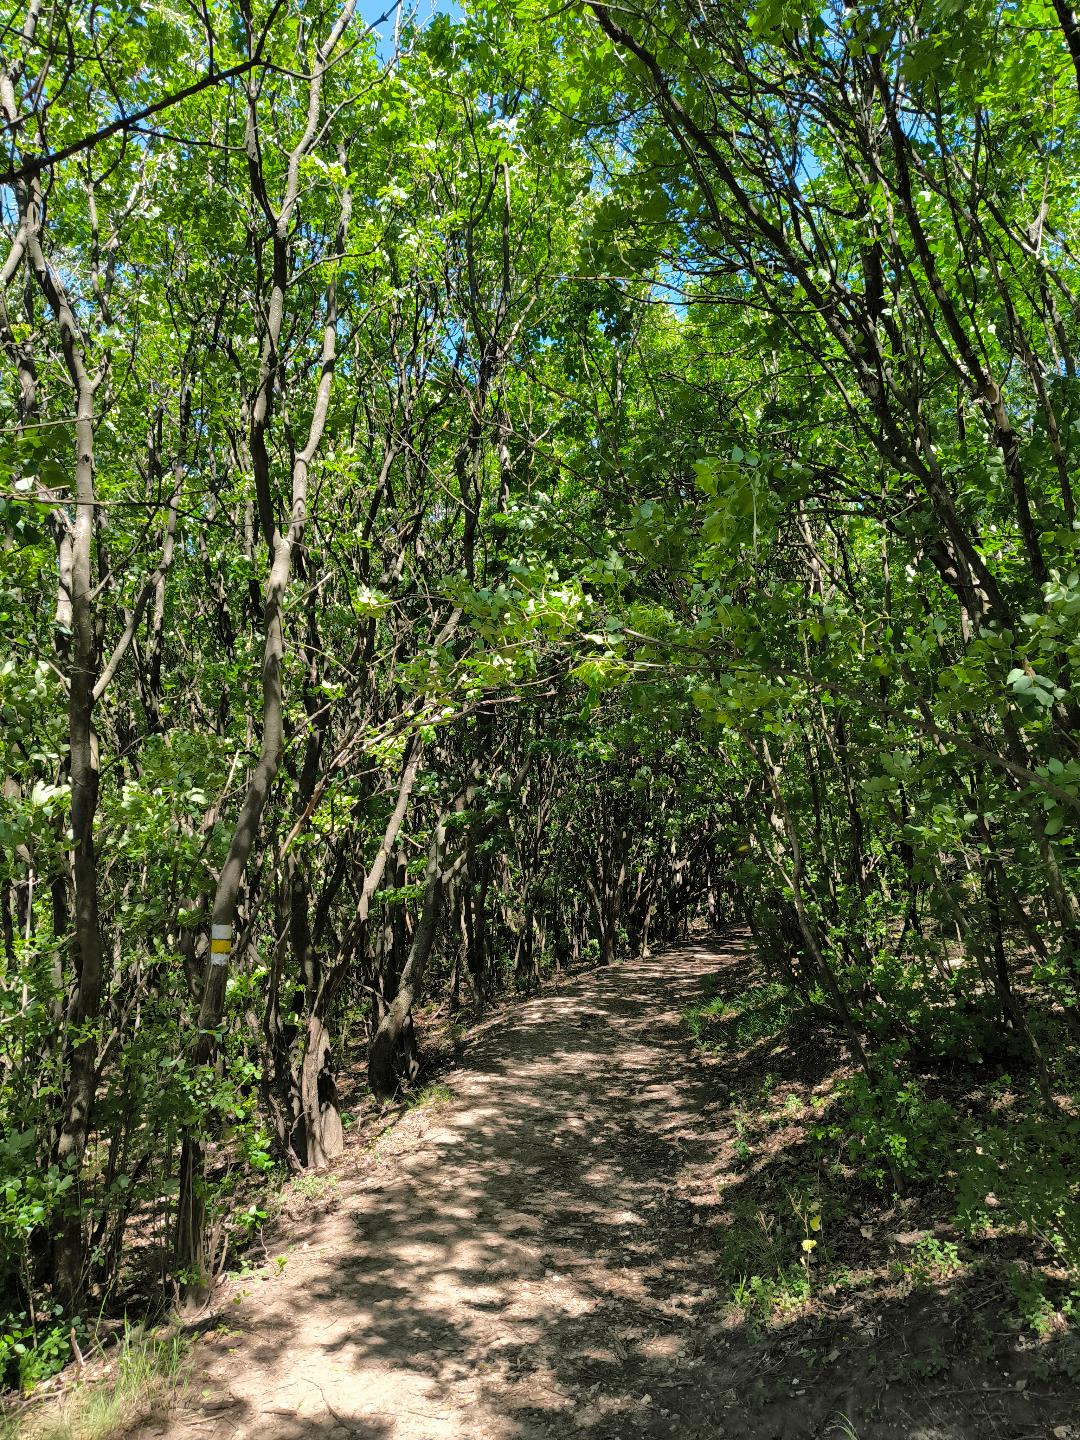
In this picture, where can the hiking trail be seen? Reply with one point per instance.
(533, 1259)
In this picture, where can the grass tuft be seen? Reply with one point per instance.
(738, 1021)
(429, 1097)
(145, 1376)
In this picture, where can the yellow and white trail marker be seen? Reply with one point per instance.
(220, 944)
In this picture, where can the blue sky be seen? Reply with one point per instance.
(370, 10)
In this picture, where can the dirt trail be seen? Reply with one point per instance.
(524, 1270)
(533, 1259)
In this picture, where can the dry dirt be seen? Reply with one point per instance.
(534, 1259)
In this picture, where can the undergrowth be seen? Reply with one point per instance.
(143, 1375)
(736, 1022)
(975, 1155)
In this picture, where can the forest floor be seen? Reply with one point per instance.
(564, 1244)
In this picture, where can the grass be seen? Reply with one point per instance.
(841, 1426)
(315, 1188)
(429, 1097)
(145, 1374)
(767, 1258)
(738, 1021)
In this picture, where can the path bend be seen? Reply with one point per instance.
(519, 1263)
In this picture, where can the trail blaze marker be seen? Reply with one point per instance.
(220, 944)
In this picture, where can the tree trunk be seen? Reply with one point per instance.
(324, 1136)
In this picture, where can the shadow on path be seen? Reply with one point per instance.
(534, 1263)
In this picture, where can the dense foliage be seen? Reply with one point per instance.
(478, 496)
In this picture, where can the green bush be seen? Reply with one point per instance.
(31, 1349)
(893, 1128)
(1025, 1171)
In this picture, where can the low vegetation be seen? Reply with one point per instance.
(141, 1373)
(851, 1193)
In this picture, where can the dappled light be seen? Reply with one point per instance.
(571, 1245)
(540, 720)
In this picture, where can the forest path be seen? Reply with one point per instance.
(552, 1253)
(519, 1262)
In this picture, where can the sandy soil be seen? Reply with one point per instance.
(532, 1259)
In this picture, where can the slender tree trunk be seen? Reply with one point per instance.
(83, 748)
(191, 1256)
